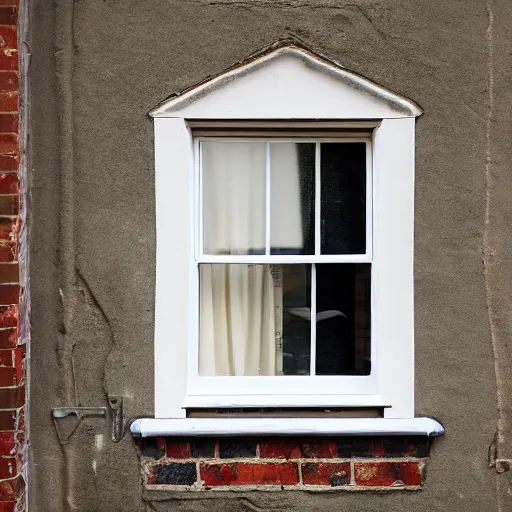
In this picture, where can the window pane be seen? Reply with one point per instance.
(343, 198)
(254, 319)
(343, 319)
(296, 318)
(233, 182)
(292, 198)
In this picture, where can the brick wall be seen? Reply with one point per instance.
(291, 463)
(13, 292)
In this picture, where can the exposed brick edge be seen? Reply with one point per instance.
(293, 463)
(14, 296)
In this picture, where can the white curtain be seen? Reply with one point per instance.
(285, 207)
(234, 197)
(238, 314)
(237, 320)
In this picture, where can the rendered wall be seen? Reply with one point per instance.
(98, 67)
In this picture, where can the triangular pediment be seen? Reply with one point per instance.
(287, 81)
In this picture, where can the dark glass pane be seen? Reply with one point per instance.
(343, 198)
(343, 319)
(292, 198)
(296, 318)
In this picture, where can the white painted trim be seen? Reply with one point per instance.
(191, 103)
(284, 259)
(149, 427)
(288, 138)
(307, 399)
(251, 389)
(268, 194)
(369, 199)
(391, 382)
(313, 324)
(263, 387)
(392, 267)
(173, 187)
(318, 199)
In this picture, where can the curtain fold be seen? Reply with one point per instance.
(237, 320)
(234, 197)
(238, 315)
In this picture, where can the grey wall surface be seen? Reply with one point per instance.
(98, 67)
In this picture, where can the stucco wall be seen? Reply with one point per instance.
(98, 67)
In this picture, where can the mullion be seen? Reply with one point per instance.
(312, 348)
(267, 198)
(318, 203)
(317, 253)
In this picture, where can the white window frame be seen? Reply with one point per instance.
(176, 308)
(254, 391)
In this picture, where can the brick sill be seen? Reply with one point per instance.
(151, 427)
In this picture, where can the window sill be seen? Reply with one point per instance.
(150, 427)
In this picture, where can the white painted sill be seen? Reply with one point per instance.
(150, 427)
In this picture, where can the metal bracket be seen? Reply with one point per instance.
(116, 409)
(80, 412)
(64, 432)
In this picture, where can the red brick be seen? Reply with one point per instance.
(7, 358)
(13, 3)
(8, 141)
(292, 449)
(8, 338)
(7, 420)
(8, 59)
(8, 314)
(319, 449)
(9, 204)
(9, 273)
(9, 294)
(387, 473)
(6, 506)
(8, 15)
(6, 443)
(9, 102)
(8, 489)
(7, 467)
(8, 122)
(9, 182)
(8, 251)
(326, 473)
(160, 443)
(280, 449)
(249, 474)
(8, 80)
(8, 37)
(178, 450)
(7, 376)
(20, 398)
(8, 162)
(12, 397)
